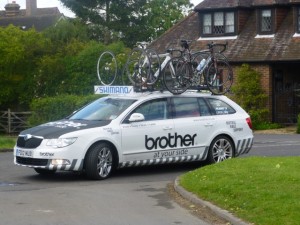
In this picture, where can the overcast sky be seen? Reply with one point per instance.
(54, 3)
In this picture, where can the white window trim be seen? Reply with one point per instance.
(218, 38)
(265, 36)
(296, 35)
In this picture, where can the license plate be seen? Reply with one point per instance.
(24, 153)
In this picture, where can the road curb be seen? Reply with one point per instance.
(218, 211)
(6, 150)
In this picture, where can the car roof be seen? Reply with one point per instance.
(154, 94)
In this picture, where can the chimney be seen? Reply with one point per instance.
(31, 7)
(12, 9)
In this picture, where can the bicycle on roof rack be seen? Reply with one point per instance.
(206, 69)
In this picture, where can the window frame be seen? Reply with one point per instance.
(260, 20)
(297, 20)
(212, 32)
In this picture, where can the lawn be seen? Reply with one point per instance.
(259, 190)
(7, 142)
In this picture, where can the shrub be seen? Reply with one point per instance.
(250, 96)
(55, 108)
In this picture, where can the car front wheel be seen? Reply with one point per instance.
(99, 161)
(221, 148)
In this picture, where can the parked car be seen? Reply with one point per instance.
(135, 130)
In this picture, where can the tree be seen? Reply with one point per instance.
(129, 21)
(20, 51)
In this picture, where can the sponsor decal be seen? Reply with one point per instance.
(172, 153)
(232, 125)
(171, 141)
(110, 130)
(64, 124)
(46, 154)
(113, 90)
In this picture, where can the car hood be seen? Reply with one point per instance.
(57, 128)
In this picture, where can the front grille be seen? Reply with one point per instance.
(32, 162)
(32, 142)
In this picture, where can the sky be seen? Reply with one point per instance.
(55, 3)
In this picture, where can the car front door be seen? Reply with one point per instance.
(143, 141)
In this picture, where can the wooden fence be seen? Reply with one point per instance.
(13, 122)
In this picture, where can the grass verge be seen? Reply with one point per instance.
(259, 190)
(7, 142)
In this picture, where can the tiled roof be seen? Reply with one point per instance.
(223, 4)
(284, 45)
(43, 18)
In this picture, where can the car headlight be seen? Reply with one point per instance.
(61, 142)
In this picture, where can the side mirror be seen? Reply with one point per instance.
(136, 117)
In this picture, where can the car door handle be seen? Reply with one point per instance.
(167, 128)
(208, 125)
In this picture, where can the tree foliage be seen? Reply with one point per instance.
(128, 21)
(20, 52)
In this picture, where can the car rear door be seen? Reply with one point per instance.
(193, 127)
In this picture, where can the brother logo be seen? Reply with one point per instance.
(171, 141)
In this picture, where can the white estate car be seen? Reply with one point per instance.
(139, 129)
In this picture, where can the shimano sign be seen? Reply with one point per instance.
(113, 89)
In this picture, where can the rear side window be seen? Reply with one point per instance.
(186, 107)
(219, 107)
(204, 109)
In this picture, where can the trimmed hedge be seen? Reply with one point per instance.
(56, 108)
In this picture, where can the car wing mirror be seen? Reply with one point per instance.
(136, 117)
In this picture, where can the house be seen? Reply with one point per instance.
(262, 33)
(31, 17)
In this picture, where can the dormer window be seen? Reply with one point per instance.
(218, 24)
(265, 21)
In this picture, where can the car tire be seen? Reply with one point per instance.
(100, 161)
(44, 171)
(221, 148)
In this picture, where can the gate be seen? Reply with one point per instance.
(13, 122)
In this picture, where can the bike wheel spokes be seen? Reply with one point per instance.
(176, 75)
(219, 77)
(107, 68)
(137, 67)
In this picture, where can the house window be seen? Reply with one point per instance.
(266, 24)
(298, 20)
(218, 24)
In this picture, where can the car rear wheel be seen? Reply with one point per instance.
(221, 148)
(99, 161)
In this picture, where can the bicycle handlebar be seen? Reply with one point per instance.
(143, 44)
(171, 50)
(211, 45)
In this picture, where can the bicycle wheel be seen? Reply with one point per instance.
(155, 69)
(137, 67)
(107, 68)
(219, 77)
(177, 75)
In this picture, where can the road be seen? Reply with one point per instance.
(131, 196)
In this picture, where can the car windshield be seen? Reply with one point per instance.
(103, 109)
